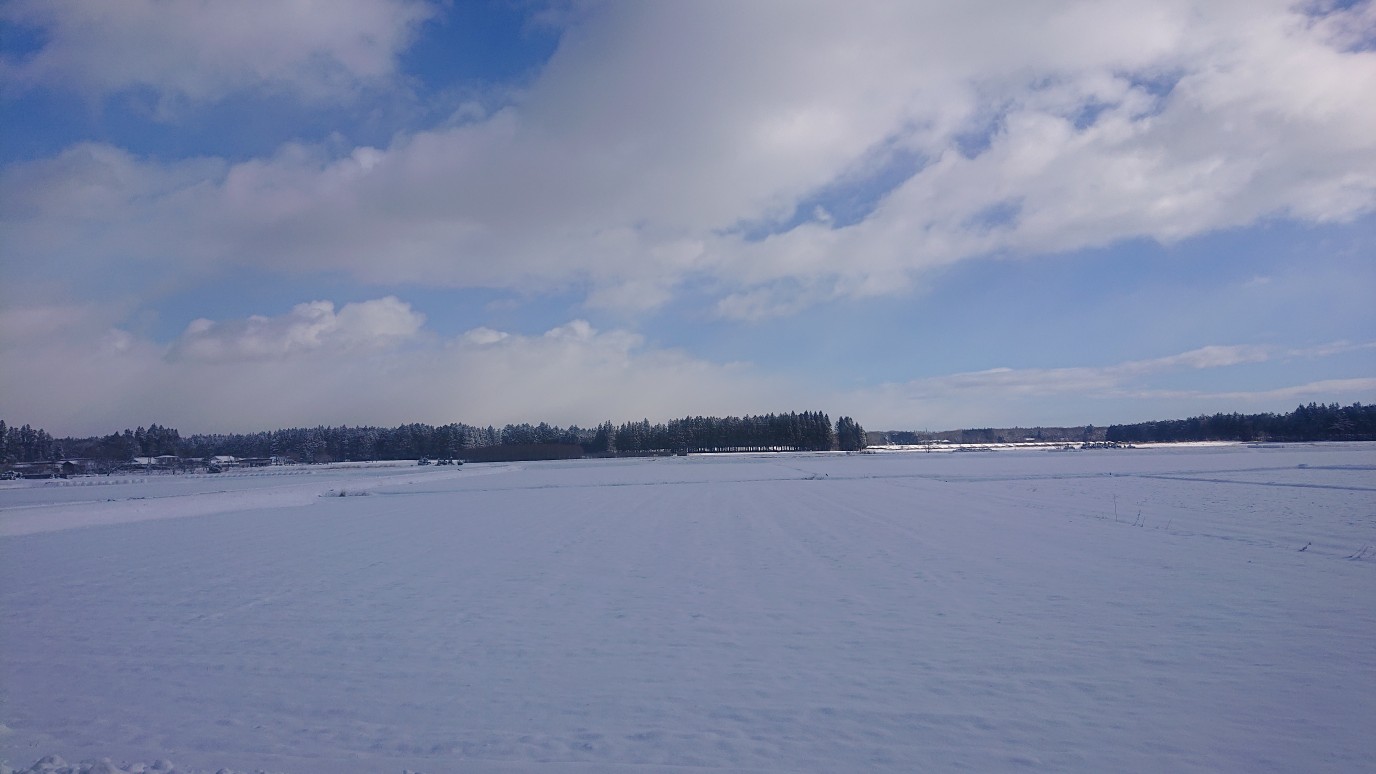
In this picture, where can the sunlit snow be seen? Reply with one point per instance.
(1138, 610)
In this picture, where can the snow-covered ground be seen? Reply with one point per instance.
(1146, 610)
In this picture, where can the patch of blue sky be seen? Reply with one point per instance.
(1094, 306)
(1158, 84)
(488, 42)
(1136, 299)
(982, 131)
(1089, 113)
(20, 42)
(994, 217)
(40, 123)
(474, 52)
(238, 127)
(1320, 8)
(847, 200)
(1272, 374)
(973, 142)
(37, 122)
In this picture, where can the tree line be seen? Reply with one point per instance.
(806, 431)
(794, 431)
(1314, 422)
(992, 435)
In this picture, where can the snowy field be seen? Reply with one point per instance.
(1146, 610)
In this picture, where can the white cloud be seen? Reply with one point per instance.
(484, 335)
(375, 362)
(1091, 379)
(1324, 389)
(1332, 348)
(780, 299)
(1212, 356)
(309, 327)
(194, 50)
(39, 324)
(369, 362)
(657, 129)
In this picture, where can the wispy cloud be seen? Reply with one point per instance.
(1012, 394)
(1325, 389)
(1084, 380)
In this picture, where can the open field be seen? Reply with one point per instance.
(1191, 609)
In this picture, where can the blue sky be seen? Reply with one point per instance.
(239, 216)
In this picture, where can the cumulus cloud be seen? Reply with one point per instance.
(192, 50)
(291, 370)
(308, 327)
(671, 141)
(375, 362)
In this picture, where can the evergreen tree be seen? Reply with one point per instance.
(850, 436)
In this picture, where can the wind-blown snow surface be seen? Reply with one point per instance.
(1117, 610)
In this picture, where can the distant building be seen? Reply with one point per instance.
(53, 468)
(161, 462)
